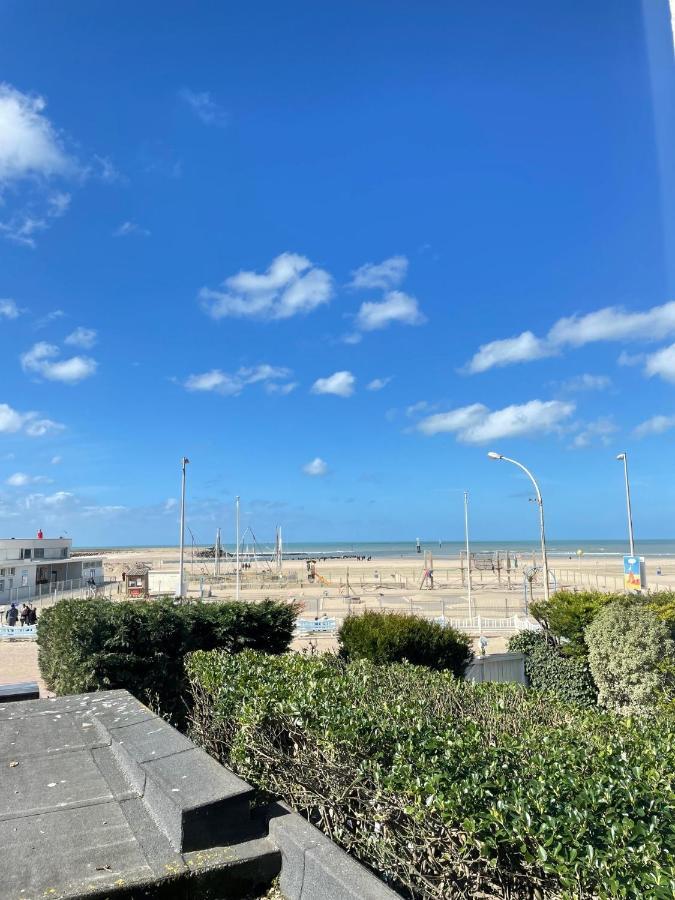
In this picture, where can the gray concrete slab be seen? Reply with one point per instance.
(75, 823)
(150, 739)
(36, 735)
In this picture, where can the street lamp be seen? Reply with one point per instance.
(624, 457)
(540, 503)
(179, 590)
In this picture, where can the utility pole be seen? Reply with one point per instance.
(468, 554)
(216, 567)
(179, 590)
(238, 574)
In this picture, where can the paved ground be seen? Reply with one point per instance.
(18, 662)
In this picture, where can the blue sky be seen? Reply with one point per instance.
(334, 253)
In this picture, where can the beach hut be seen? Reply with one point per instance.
(137, 580)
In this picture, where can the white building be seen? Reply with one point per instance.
(35, 567)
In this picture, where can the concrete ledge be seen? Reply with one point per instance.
(23, 690)
(314, 868)
(112, 802)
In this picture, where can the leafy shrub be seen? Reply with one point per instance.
(632, 656)
(548, 669)
(447, 788)
(395, 637)
(89, 645)
(567, 614)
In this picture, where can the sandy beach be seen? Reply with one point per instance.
(344, 586)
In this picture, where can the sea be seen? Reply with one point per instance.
(656, 547)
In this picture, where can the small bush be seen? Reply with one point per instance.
(548, 669)
(89, 645)
(632, 656)
(395, 637)
(445, 788)
(567, 615)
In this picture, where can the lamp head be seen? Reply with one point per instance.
(621, 456)
(493, 455)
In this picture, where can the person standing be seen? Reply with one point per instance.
(11, 616)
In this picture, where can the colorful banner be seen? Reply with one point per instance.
(633, 571)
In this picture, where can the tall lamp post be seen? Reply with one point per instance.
(238, 576)
(179, 589)
(624, 457)
(468, 555)
(540, 503)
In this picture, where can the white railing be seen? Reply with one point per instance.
(484, 623)
(18, 632)
(55, 590)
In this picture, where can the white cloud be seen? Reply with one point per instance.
(127, 229)
(523, 348)
(476, 424)
(385, 275)
(234, 383)
(655, 425)
(613, 323)
(82, 337)
(29, 144)
(9, 309)
(22, 226)
(419, 407)
(352, 337)
(106, 170)
(41, 360)
(587, 382)
(12, 421)
(598, 431)
(291, 286)
(20, 479)
(204, 107)
(284, 389)
(55, 460)
(170, 505)
(32, 157)
(662, 363)
(396, 307)
(631, 359)
(316, 467)
(377, 384)
(339, 383)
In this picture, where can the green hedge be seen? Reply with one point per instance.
(567, 614)
(398, 637)
(89, 645)
(447, 788)
(549, 669)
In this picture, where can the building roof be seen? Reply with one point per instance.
(138, 568)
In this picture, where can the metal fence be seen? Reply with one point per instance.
(56, 590)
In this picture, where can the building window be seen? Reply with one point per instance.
(2, 587)
(2, 572)
(39, 553)
(25, 553)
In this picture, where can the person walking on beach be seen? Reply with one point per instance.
(23, 615)
(11, 616)
(32, 616)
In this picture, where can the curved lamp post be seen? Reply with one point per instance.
(624, 456)
(540, 503)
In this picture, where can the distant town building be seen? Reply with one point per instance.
(33, 567)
